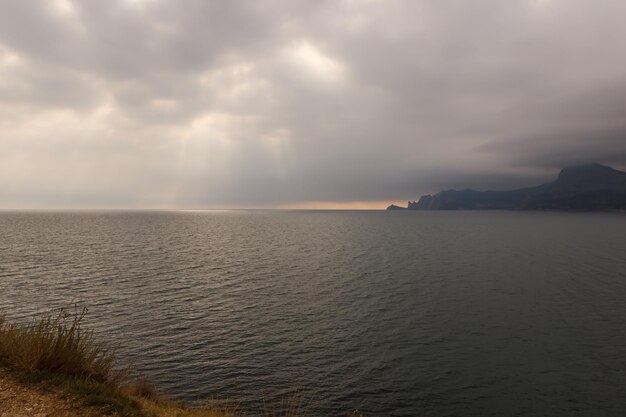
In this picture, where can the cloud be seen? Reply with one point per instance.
(159, 103)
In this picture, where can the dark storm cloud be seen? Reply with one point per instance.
(166, 103)
(566, 148)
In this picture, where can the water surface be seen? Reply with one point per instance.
(393, 313)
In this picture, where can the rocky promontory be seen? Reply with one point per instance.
(581, 187)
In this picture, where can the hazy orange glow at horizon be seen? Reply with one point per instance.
(342, 205)
(327, 105)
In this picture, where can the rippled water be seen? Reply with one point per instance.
(393, 313)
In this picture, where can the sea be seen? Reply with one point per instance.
(406, 313)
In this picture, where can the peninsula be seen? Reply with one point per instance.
(581, 187)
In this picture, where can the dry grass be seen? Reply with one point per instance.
(142, 388)
(166, 408)
(290, 406)
(57, 343)
(54, 349)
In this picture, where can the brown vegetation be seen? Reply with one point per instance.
(52, 360)
(57, 343)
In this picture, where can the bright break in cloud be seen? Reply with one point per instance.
(282, 103)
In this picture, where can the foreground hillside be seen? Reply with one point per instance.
(20, 399)
(52, 367)
(21, 396)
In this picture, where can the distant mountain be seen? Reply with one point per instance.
(582, 187)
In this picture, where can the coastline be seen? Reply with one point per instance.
(51, 367)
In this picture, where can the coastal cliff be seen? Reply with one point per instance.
(52, 367)
(582, 187)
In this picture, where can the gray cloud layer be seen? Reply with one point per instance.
(157, 103)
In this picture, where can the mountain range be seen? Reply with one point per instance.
(581, 187)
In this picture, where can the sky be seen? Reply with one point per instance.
(301, 104)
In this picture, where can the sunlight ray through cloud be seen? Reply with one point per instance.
(236, 103)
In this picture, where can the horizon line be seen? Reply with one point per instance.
(314, 205)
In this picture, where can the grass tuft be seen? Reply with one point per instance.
(57, 343)
(143, 388)
(54, 350)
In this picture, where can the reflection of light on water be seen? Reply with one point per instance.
(359, 308)
(202, 210)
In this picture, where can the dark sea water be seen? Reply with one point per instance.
(393, 313)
